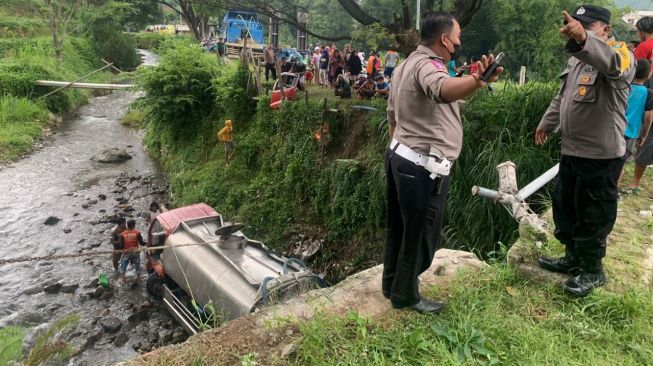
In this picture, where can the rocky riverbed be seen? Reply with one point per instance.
(59, 201)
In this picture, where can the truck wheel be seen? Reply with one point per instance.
(155, 285)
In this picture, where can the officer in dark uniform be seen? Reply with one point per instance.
(589, 111)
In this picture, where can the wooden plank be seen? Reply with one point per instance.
(84, 85)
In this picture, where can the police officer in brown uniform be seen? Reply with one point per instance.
(427, 134)
(589, 111)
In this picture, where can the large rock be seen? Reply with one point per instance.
(69, 289)
(114, 155)
(138, 316)
(51, 221)
(52, 288)
(111, 324)
(121, 339)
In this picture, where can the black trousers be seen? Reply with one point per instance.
(415, 214)
(585, 206)
(268, 68)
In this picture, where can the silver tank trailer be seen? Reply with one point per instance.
(230, 271)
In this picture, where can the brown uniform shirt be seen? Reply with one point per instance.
(590, 107)
(415, 106)
(268, 56)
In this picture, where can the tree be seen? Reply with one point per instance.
(401, 25)
(142, 13)
(196, 14)
(58, 14)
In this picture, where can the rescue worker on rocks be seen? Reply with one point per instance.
(426, 133)
(115, 241)
(589, 111)
(130, 239)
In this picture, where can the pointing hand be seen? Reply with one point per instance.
(573, 29)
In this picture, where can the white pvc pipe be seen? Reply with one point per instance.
(538, 183)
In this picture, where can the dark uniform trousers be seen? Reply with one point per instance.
(415, 214)
(273, 69)
(585, 206)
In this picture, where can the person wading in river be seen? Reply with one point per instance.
(131, 239)
(115, 241)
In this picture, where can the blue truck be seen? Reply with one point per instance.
(238, 25)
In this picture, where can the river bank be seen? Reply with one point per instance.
(55, 201)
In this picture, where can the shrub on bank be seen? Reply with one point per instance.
(148, 40)
(179, 91)
(21, 122)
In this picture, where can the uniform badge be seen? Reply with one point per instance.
(580, 11)
(438, 65)
(582, 91)
(585, 79)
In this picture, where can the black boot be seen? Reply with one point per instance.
(591, 276)
(567, 264)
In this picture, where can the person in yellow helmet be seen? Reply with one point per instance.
(226, 135)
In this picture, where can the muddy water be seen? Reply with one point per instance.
(60, 180)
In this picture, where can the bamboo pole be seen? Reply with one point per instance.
(74, 81)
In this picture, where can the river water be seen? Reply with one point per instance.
(60, 180)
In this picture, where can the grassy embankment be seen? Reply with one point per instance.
(279, 187)
(27, 54)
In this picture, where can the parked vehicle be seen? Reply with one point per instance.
(210, 272)
(292, 82)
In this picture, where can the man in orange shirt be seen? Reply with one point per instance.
(131, 239)
(371, 65)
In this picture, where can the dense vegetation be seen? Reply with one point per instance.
(279, 186)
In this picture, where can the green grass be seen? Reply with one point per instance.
(530, 325)
(21, 124)
(133, 118)
(11, 344)
(12, 26)
(23, 113)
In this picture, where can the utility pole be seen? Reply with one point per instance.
(419, 14)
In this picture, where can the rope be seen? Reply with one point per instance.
(97, 253)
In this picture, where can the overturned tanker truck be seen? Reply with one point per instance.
(209, 272)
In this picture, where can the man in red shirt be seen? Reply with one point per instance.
(131, 239)
(645, 32)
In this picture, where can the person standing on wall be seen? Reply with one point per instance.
(589, 110)
(426, 130)
(270, 59)
(391, 61)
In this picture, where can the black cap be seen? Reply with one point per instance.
(591, 13)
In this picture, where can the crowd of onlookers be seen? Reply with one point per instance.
(348, 72)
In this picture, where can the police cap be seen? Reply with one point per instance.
(591, 13)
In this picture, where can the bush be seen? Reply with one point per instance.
(11, 26)
(179, 92)
(149, 41)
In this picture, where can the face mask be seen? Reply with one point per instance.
(456, 49)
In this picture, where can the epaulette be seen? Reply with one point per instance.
(621, 49)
